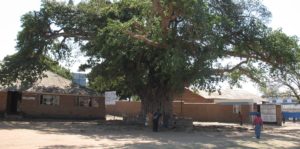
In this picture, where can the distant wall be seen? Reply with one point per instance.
(209, 112)
(133, 108)
(124, 108)
(3, 100)
(214, 112)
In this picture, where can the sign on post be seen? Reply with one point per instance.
(28, 98)
(268, 113)
(111, 97)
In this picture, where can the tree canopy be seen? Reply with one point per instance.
(154, 48)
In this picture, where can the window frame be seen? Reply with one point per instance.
(89, 103)
(236, 108)
(50, 100)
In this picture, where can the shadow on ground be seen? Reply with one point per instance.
(137, 136)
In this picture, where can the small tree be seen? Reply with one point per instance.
(288, 80)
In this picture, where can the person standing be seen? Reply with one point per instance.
(283, 118)
(258, 125)
(241, 118)
(155, 120)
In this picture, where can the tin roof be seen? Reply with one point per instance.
(53, 83)
(232, 95)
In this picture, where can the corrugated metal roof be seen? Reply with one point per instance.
(53, 80)
(227, 94)
(54, 83)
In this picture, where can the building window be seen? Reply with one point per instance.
(87, 102)
(49, 100)
(236, 108)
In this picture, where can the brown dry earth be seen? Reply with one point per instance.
(53, 134)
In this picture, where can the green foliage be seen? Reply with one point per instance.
(54, 67)
(18, 67)
(155, 48)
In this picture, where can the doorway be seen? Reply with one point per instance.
(258, 108)
(13, 98)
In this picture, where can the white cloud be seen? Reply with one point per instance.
(10, 14)
(285, 15)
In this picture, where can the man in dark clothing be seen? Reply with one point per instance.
(155, 120)
(241, 118)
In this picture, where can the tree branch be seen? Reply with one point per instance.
(248, 73)
(145, 39)
(158, 8)
(83, 36)
(167, 17)
(242, 70)
(238, 66)
(292, 89)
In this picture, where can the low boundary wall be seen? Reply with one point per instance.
(208, 112)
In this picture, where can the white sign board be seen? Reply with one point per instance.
(290, 108)
(268, 113)
(28, 98)
(111, 97)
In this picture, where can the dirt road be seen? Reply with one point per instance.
(94, 134)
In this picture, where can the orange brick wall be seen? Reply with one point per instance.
(67, 108)
(178, 108)
(197, 111)
(123, 108)
(214, 112)
(133, 108)
(3, 100)
(278, 115)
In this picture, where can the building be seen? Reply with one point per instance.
(53, 97)
(79, 78)
(236, 96)
(284, 100)
(201, 106)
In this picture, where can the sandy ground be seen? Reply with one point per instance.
(50, 134)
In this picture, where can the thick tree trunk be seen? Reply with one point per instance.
(151, 104)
